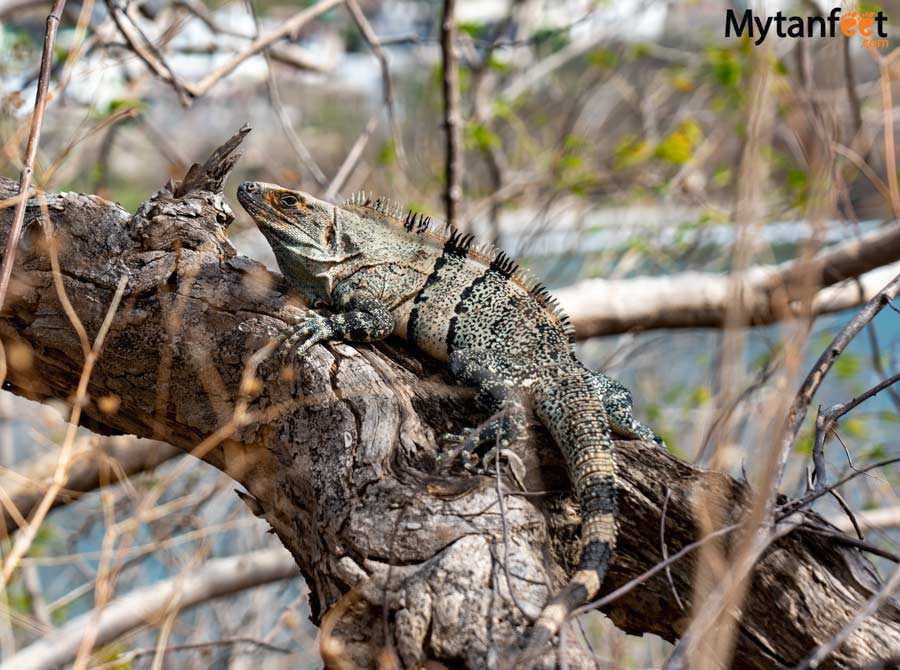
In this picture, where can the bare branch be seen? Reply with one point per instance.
(351, 160)
(34, 136)
(25, 486)
(453, 159)
(147, 51)
(827, 419)
(872, 519)
(293, 24)
(61, 472)
(697, 300)
(372, 39)
(822, 366)
(281, 112)
(338, 453)
(213, 579)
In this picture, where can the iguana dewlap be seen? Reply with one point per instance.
(384, 272)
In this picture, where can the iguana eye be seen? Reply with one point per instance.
(289, 200)
(328, 235)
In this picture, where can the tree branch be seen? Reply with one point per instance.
(34, 136)
(453, 149)
(104, 460)
(213, 579)
(768, 293)
(337, 452)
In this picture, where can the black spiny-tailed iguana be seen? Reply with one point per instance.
(383, 273)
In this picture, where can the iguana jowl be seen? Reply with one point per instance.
(383, 273)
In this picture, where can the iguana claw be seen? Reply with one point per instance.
(300, 337)
(454, 445)
(465, 447)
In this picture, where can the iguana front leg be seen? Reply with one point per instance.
(492, 375)
(363, 318)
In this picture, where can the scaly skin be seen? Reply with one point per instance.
(472, 308)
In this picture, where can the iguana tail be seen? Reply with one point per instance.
(571, 406)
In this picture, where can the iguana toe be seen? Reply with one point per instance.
(299, 338)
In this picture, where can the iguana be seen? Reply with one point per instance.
(384, 272)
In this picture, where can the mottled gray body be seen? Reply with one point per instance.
(471, 307)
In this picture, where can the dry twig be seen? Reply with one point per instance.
(34, 136)
(453, 158)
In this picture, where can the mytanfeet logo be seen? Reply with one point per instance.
(870, 26)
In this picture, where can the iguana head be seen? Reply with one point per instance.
(305, 234)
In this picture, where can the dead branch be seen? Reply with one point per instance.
(213, 579)
(34, 136)
(337, 452)
(698, 300)
(871, 519)
(368, 33)
(146, 50)
(821, 367)
(290, 26)
(103, 461)
(299, 147)
(453, 158)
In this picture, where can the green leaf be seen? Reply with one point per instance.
(630, 152)
(679, 146)
(549, 40)
(498, 65)
(855, 427)
(45, 539)
(847, 365)
(501, 109)
(721, 177)
(478, 136)
(877, 453)
(701, 395)
(725, 66)
(603, 58)
(805, 442)
(126, 103)
(387, 154)
(473, 29)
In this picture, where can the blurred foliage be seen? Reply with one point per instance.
(679, 146)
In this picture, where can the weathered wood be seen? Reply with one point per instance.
(339, 453)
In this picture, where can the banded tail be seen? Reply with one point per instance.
(571, 406)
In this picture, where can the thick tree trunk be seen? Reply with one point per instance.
(338, 453)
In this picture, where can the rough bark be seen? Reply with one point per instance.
(339, 453)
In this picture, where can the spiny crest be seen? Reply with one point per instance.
(459, 242)
(381, 205)
(416, 222)
(464, 244)
(412, 221)
(542, 294)
(503, 264)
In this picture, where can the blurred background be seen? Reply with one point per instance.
(613, 139)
